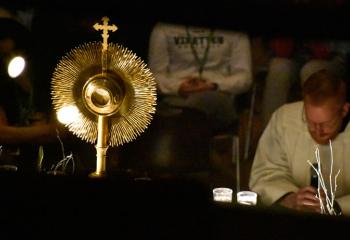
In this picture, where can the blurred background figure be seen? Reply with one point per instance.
(22, 128)
(281, 73)
(201, 68)
(292, 61)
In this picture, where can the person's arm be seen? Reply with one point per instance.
(159, 60)
(239, 77)
(42, 133)
(270, 175)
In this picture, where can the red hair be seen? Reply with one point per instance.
(323, 86)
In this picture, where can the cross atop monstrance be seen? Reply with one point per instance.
(105, 28)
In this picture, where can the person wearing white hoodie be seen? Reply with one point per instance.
(201, 68)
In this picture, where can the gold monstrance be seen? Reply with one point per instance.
(108, 92)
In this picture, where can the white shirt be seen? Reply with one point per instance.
(172, 58)
(280, 164)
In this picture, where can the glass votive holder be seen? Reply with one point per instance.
(222, 194)
(247, 198)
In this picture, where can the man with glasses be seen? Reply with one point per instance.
(280, 172)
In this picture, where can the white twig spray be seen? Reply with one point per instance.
(64, 162)
(327, 203)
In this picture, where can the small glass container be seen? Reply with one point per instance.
(222, 194)
(247, 198)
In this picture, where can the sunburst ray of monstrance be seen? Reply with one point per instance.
(108, 93)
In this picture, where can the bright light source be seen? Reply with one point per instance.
(16, 66)
(68, 114)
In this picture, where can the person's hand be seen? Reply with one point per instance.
(193, 85)
(305, 200)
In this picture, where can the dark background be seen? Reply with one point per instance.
(59, 26)
(62, 206)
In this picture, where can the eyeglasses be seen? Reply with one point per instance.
(328, 125)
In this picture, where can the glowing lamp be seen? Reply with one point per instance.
(16, 66)
(68, 114)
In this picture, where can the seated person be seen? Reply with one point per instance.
(201, 68)
(280, 172)
(20, 126)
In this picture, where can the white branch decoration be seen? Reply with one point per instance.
(63, 163)
(327, 203)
